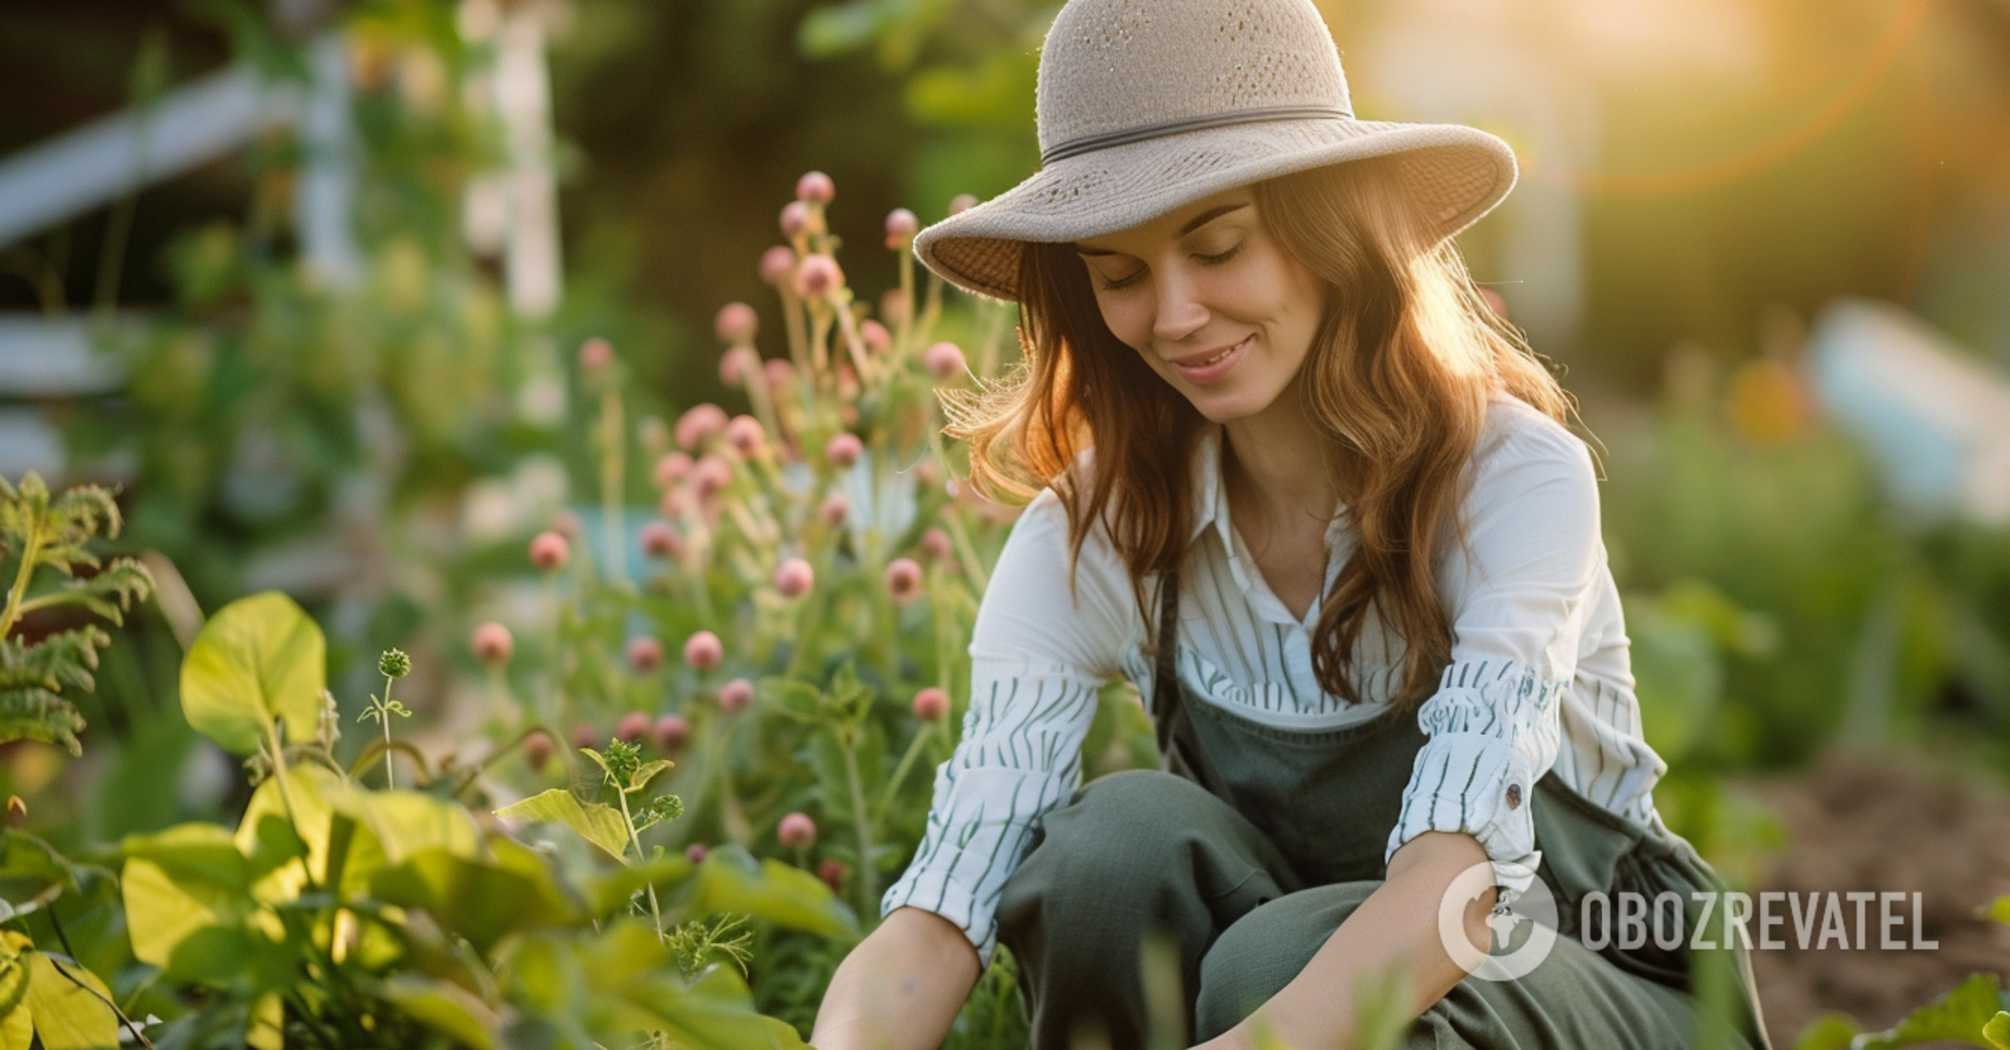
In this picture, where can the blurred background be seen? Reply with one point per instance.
(303, 278)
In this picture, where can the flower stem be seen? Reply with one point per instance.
(30, 551)
(611, 476)
(628, 821)
(914, 749)
(868, 873)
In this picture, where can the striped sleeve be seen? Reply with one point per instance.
(1039, 655)
(1516, 593)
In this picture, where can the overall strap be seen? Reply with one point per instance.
(1167, 704)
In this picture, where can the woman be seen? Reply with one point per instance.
(1306, 493)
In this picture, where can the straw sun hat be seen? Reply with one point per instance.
(1145, 106)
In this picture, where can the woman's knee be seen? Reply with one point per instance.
(1264, 950)
(1123, 826)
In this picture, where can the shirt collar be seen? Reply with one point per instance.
(1210, 511)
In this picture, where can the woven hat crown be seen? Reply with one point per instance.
(1109, 66)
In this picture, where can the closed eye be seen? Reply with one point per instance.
(1205, 260)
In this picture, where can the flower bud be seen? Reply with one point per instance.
(901, 226)
(843, 450)
(780, 372)
(818, 276)
(745, 435)
(671, 469)
(834, 510)
(903, 579)
(797, 831)
(736, 324)
(549, 551)
(943, 360)
(672, 733)
(537, 750)
(875, 336)
(632, 728)
(738, 364)
(645, 654)
(736, 696)
(893, 306)
(935, 544)
(394, 664)
(794, 578)
(847, 382)
(703, 651)
(816, 188)
(595, 355)
(778, 265)
(695, 853)
(584, 735)
(795, 219)
(833, 871)
(659, 540)
(711, 476)
(699, 424)
(961, 203)
(492, 644)
(931, 704)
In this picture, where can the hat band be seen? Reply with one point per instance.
(1091, 143)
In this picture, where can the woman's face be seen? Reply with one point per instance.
(1211, 301)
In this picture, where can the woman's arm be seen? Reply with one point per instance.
(900, 988)
(1396, 927)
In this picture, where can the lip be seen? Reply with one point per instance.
(1215, 371)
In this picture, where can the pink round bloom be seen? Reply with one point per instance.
(778, 265)
(695, 853)
(711, 476)
(736, 324)
(901, 226)
(672, 733)
(943, 360)
(931, 704)
(549, 551)
(738, 364)
(935, 544)
(671, 469)
(779, 371)
(584, 735)
(659, 540)
(537, 750)
(903, 579)
(843, 450)
(703, 651)
(893, 306)
(833, 871)
(795, 219)
(834, 510)
(817, 276)
(645, 654)
(492, 644)
(745, 435)
(794, 577)
(816, 188)
(736, 696)
(595, 355)
(875, 335)
(961, 203)
(632, 728)
(797, 831)
(699, 424)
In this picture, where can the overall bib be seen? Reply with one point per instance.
(1260, 841)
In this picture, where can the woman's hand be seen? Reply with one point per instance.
(900, 988)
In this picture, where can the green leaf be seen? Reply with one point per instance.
(1997, 1031)
(728, 880)
(187, 893)
(610, 892)
(715, 1010)
(1828, 1032)
(1997, 910)
(70, 1006)
(481, 900)
(405, 823)
(34, 713)
(596, 823)
(259, 659)
(1960, 1015)
(648, 772)
(281, 857)
(14, 968)
(445, 1007)
(31, 872)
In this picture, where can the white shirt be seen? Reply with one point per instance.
(1538, 678)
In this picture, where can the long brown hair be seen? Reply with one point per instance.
(1406, 339)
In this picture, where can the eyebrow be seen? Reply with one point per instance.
(1192, 224)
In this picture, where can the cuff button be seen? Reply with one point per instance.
(1514, 796)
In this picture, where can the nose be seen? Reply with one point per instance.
(1179, 310)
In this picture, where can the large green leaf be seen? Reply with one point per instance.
(401, 824)
(445, 1007)
(69, 1005)
(259, 659)
(187, 895)
(787, 896)
(1958, 1016)
(479, 899)
(596, 823)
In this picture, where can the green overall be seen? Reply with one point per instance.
(1267, 839)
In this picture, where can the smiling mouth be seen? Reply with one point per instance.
(1212, 358)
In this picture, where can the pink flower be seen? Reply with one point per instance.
(645, 654)
(834, 510)
(584, 735)
(778, 265)
(875, 336)
(745, 435)
(816, 188)
(737, 364)
(903, 579)
(659, 540)
(843, 450)
(672, 504)
(893, 306)
(943, 360)
(699, 424)
(935, 544)
(672, 468)
(817, 276)
(537, 750)
(736, 324)
(595, 355)
(931, 704)
(797, 831)
(492, 644)
(695, 853)
(672, 733)
(833, 871)
(794, 578)
(961, 203)
(795, 219)
(703, 651)
(901, 226)
(847, 383)
(736, 695)
(779, 371)
(632, 728)
(711, 476)
(549, 551)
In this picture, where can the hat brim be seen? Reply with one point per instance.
(1454, 174)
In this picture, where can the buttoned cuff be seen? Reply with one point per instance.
(933, 893)
(1482, 786)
